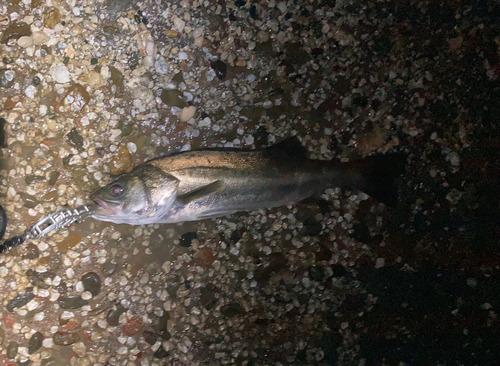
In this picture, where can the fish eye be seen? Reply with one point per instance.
(117, 190)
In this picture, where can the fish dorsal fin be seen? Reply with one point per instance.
(289, 149)
(200, 192)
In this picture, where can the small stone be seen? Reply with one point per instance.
(21, 300)
(113, 316)
(25, 41)
(108, 268)
(92, 283)
(71, 302)
(133, 326)
(32, 251)
(220, 68)
(51, 17)
(121, 160)
(170, 33)
(60, 73)
(95, 80)
(187, 113)
(161, 67)
(172, 98)
(12, 350)
(179, 24)
(64, 338)
(39, 38)
(133, 60)
(186, 239)
(75, 139)
(142, 93)
(262, 36)
(198, 32)
(6, 78)
(35, 342)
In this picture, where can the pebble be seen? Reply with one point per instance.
(25, 41)
(187, 113)
(161, 67)
(12, 350)
(35, 342)
(179, 24)
(30, 91)
(48, 343)
(63, 338)
(133, 326)
(142, 93)
(51, 17)
(182, 56)
(71, 302)
(262, 36)
(113, 316)
(220, 68)
(6, 78)
(172, 98)
(92, 283)
(95, 80)
(121, 160)
(186, 239)
(21, 300)
(86, 295)
(198, 32)
(39, 38)
(60, 73)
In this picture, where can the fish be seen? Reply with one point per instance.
(210, 183)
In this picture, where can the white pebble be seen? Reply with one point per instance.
(251, 78)
(183, 56)
(179, 24)
(48, 343)
(25, 41)
(3, 271)
(39, 316)
(86, 295)
(132, 148)
(70, 273)
(39, 38)
(43, 110)
(66, 315)
(198, 32)
(32, 305)
(187, 113)
(79, 287)
(122, 350)
(161, 67)
(30, 91)
(249, 140)
(60, 73)
(142, 93)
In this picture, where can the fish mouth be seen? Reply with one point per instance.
(103, 207)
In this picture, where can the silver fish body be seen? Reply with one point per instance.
(204, 184)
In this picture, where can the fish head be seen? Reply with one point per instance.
(140, 197)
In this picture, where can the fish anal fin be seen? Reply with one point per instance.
(200, 192)
(288, 149)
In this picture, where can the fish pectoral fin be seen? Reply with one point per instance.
(200, 192)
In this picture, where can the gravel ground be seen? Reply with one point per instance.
(90, 88)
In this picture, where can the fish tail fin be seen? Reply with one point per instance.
(376, 175)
